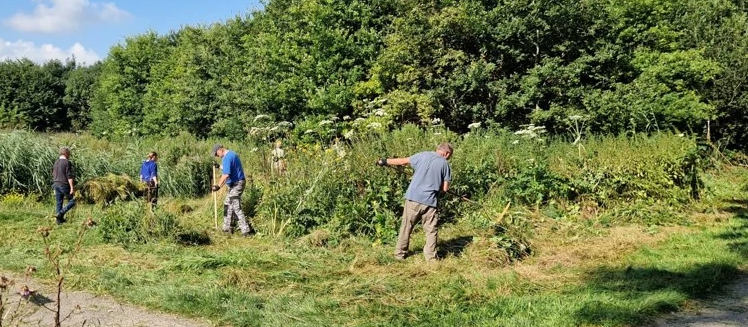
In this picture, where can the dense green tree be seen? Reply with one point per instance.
(79, 87)
(31, 95)
(118, 102)
(611, 66)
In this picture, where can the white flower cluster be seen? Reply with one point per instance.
(254, 131)
(576, 117)
(474, 125)
(380, 112)
(349, 134)
(531, 132)
(261, 117)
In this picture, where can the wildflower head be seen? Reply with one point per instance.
(5, 283)
(43, 231)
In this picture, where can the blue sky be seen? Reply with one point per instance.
(56, 29)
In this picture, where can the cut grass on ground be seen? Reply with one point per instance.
(616, 276)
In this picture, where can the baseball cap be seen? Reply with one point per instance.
(215, 148)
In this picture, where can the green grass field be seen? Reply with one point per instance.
(581, 272)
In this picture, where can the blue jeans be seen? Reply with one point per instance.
(62, 192)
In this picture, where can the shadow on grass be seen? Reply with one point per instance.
(453, 247)
(193, 238)
(656, 290)
(651, 291)
(444, 248)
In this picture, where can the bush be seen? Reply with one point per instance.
(132, 222)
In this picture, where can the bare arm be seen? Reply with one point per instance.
(445, 187)
(70, 182)
(222, 180)
(398, 161)
(155, 180)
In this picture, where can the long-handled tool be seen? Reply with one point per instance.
(463, 197)
(215, 200)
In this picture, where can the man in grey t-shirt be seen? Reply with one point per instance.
(431, 175)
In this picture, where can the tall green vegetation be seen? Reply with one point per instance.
(339, 189)
(615, 66)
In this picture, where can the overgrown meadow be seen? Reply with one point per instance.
(602, 231)
(335, 190)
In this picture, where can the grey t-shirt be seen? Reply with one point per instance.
(430, 170)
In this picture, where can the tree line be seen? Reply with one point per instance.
(600, 66)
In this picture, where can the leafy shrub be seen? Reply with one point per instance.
(536, 184)
(133, 222)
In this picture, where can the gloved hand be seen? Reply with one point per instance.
(382, 162)
(215, 188)
(215, 165)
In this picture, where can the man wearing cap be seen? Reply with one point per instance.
(233, 176)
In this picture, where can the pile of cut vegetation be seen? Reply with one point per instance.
(109, 189)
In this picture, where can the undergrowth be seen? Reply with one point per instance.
(335, 186)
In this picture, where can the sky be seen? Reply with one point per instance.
(42, 30)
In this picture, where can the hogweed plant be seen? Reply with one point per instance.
(576, 126)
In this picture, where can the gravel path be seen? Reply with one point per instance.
(728, 310)
(82, 309)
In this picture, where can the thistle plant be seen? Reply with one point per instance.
(54, 254)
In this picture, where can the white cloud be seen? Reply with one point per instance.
(46, 52)
(59, 16)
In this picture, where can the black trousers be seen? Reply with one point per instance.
(151, 194)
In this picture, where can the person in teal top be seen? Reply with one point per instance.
(232, 175)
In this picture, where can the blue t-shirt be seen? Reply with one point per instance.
(148, 171)
(232, 166)
(430, 170)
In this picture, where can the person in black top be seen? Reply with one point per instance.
(63, 176)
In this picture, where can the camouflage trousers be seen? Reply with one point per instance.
(232, 207)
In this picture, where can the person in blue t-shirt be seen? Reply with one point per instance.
(431, 176)
(233, 176)
(149, 176)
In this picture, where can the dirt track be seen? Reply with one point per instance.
(730, 310)
(83, 309)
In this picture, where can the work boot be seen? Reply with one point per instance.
(250, 232)
(60, 218)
